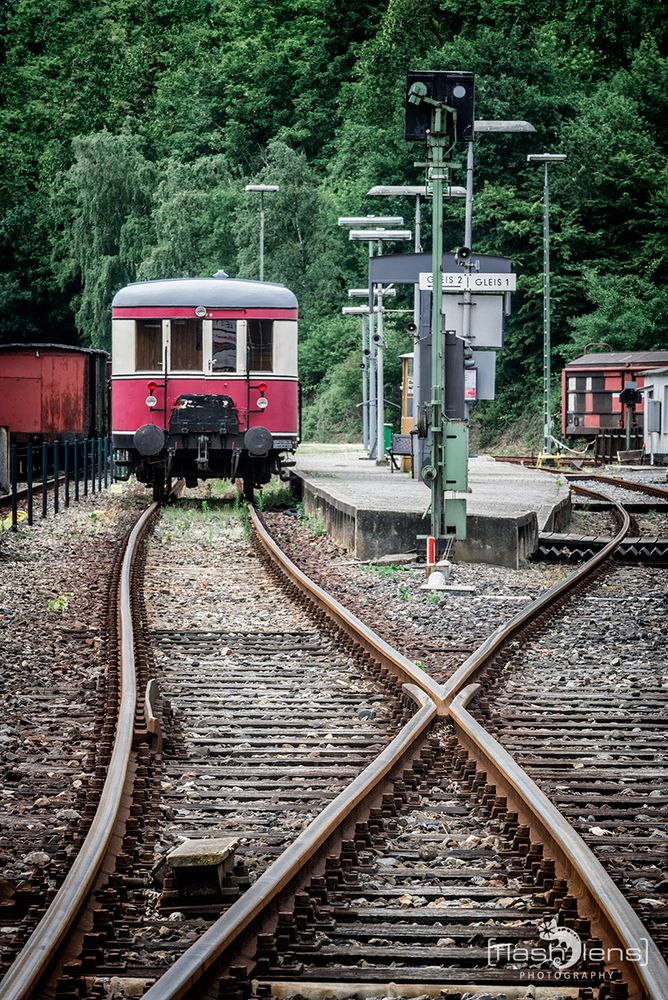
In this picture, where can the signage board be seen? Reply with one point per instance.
(470, 384)
(460, 281)
(487, 317)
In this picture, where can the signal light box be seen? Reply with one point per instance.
(451, 87)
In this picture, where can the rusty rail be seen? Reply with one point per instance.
(191, 966)
(433, 700)
(482, 655)
(613, 912)
(41, 950)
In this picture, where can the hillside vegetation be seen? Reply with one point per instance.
(129, 128)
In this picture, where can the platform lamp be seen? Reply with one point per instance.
(261, 189)
(371, 220)
(378, 236)
(363, 312)
(546, 159)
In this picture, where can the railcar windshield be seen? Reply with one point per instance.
(260, 345)
(186, 345)
(224, 345)
(148, 345)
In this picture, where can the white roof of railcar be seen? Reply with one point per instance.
(218, 292)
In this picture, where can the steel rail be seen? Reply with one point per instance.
(481, 656)
(620, 919)
(651, 489)
(41, 950)
(407, 670)
(191, 966)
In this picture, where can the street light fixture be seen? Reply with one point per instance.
(380, 236)
(261, 189)
(546, 159)
(371, 220)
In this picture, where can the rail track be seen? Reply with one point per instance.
(647, 505)
(439, 849)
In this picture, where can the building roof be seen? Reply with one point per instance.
(52, 347)
(654, 371)
(620, 358)
(218, 292)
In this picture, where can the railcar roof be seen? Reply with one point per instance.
(214, 293)
(620, 358)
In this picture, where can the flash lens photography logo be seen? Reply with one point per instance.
(564, 950)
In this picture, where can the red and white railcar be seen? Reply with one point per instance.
(204, 379)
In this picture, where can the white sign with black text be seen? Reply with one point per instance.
(461, 281)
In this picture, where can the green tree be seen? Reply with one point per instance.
(101, 207)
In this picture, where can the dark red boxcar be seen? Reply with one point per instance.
(590, 387)
(53, 392)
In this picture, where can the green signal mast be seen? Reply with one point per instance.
(440, 111)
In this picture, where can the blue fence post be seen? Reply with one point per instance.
(92, 465)
(66, 471)
(56, 478)
(99, 464)
(13, 472)
(76, 471)
(45, 462)
(106, 462)
(29, 475)
(85, 467)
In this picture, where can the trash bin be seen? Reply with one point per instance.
(387, 437)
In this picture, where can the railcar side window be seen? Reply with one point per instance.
(260, 345)
(148, 345)
(224, 345)
(186, 345)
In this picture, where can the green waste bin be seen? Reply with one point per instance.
(387, 436)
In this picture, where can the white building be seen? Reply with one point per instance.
(656, 415)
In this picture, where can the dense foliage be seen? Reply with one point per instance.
(128, 130)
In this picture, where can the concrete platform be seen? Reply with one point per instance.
(373, 512)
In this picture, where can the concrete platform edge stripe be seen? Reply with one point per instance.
(622, 917)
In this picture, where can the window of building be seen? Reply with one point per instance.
(224, 345)
(148, 345)
(260, 345)
(186, 345)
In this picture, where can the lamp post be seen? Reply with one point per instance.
(371, 220)
(378, 236)
(484, 126)
(546, 159)
(262, 189)
(363, 312)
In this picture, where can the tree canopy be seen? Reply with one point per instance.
(130, 128)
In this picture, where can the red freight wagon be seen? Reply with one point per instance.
(53, 392)
(590, 387)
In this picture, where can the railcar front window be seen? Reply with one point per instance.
(186, 345)
(260, 345)
(148, 345)
(224, 345)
